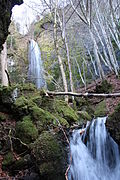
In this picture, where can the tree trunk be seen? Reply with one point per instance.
(4, 65)
(58, 54)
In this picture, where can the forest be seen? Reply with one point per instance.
(60, 90)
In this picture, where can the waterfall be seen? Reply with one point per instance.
(95, 155)
(36, 70)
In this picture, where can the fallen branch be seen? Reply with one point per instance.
(52, 93)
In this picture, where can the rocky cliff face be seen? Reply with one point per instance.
(5, 15)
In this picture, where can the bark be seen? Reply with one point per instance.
(58, 54)
(51, 93)
(63, 30)
(4, 65)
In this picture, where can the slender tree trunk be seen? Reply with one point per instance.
(58, 54)
(64, 38)
(69, 66)
(4, 65)
(101, 72)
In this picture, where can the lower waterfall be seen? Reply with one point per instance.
(94, 154)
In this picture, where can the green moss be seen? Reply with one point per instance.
(104, 87)
(84, 115)
(8, 159)
(21, 102)
(115, 116)
(22, 105)
(47, 146)
(27, 87)
(45, 119)
(48, 151)
(19, 164)
(59, 108)
(2, 117)
(6, 94)
(26, 130)
(100, 109)
(61, 120)
(41, 115)
(46, 168)
(83, 104)
(65, 111)
(37, 100)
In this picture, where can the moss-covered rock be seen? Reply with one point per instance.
(26, 130)
(3, 117)
(7, 95)
(101, 109)
(49, 154)
(113, 124)
(45, 120)
(84, 105)
(21, 102)
(37, 100)
(84, 115)
(8, 160)
(65, 111)
(83, 118)
(22, 106)
(104, 87)
(60, 108)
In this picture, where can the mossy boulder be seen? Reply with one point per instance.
(3, 116)
(22, 105)
(26, 130)
(65, 111)
(113, 124)
(37, 100)
(8, 160)
(49, 154)
(21, 102)
(104, 87)
(101, 109)
(45, 119)
(27, 89)
(83, 117)
(8, 94)
(59, 107)
(84, 105)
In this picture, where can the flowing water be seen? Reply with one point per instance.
(98, 157)
(36, 70)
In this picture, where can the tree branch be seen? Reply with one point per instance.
(51, 93)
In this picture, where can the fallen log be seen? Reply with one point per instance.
(52, 93)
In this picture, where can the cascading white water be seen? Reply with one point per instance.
(36, 70)
(97, 160)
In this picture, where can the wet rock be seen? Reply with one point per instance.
(113, 124)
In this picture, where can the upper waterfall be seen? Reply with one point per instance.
(36, 70)
(97, 160)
